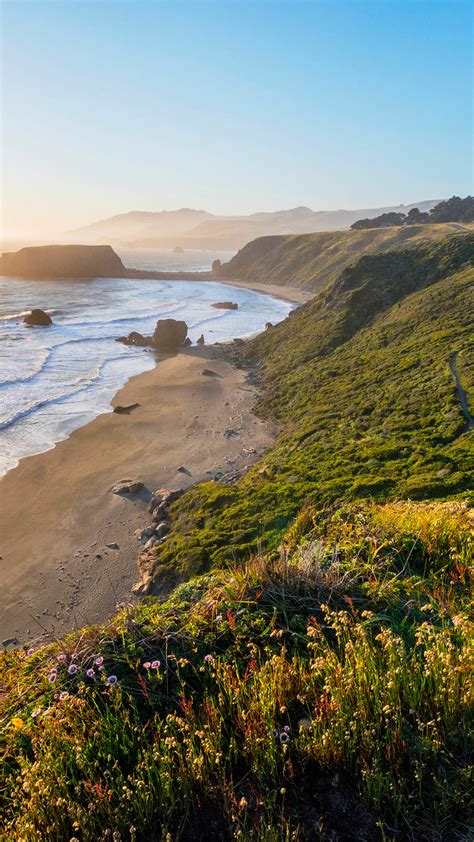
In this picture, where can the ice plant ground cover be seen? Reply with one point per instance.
(320, 694)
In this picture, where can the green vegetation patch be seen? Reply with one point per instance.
(360, 380)
(322, 694)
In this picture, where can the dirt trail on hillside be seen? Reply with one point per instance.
(461, 393)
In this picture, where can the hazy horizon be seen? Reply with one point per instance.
(230, 107)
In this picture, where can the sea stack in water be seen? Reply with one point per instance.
(225, 305)
(38, 318)
(169, 335)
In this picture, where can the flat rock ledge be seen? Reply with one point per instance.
(156, 578)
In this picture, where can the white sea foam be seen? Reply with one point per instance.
(53, 380)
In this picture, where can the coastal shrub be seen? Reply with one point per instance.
(323, 693)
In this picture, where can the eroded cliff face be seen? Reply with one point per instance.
(68, 261)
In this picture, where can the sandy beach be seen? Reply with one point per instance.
(58, 513)
(293, 294)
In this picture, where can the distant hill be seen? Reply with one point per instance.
(190, 228)
(310, 261)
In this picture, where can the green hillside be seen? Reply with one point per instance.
(311, 678)
(311, 261)
(360, 380)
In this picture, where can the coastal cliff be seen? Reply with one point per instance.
(313, 261)
(69, 261)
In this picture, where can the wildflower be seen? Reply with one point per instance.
(17, 722)
(52, 677)
(112, 679)
(90, 673)
(219, 618)
(61, 657)
(147, 665)
(286, 728)
(155, 665)
(31, 650)
(99, 660)
(284, 738)
(36, 712)
(63, 696)
(56, 696)
(209, 659)
(72, 669)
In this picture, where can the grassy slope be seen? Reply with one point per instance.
(333, 703)
(359, 378)
(312, 261)
(322, 696)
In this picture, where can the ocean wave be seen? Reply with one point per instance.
(39, 366)
(133, 317)
(82, 385)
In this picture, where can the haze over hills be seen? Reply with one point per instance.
(189, 228)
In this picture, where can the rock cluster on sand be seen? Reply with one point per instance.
(135, 338)
(127, 486)
(38, 318)
(225, 305)
(170, 335)
(150, 537)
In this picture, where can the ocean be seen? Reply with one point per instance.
(54, 380)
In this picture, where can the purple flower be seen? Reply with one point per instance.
(147, 665)
(284, 738)
(90, 673)
(31, 650)
(52, 677)
(64, 695)
(112, 679)
(209, 659)
(99, 660)
(61, 657)
(72, 669)
(155, 665)
(286, 728)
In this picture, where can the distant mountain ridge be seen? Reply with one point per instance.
(190, 228)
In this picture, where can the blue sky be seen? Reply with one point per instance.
(231, 106)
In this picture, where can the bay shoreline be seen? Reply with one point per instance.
(57, 573)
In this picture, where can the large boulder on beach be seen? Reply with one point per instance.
(38, 318)
(225, 305)
(170, 335)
